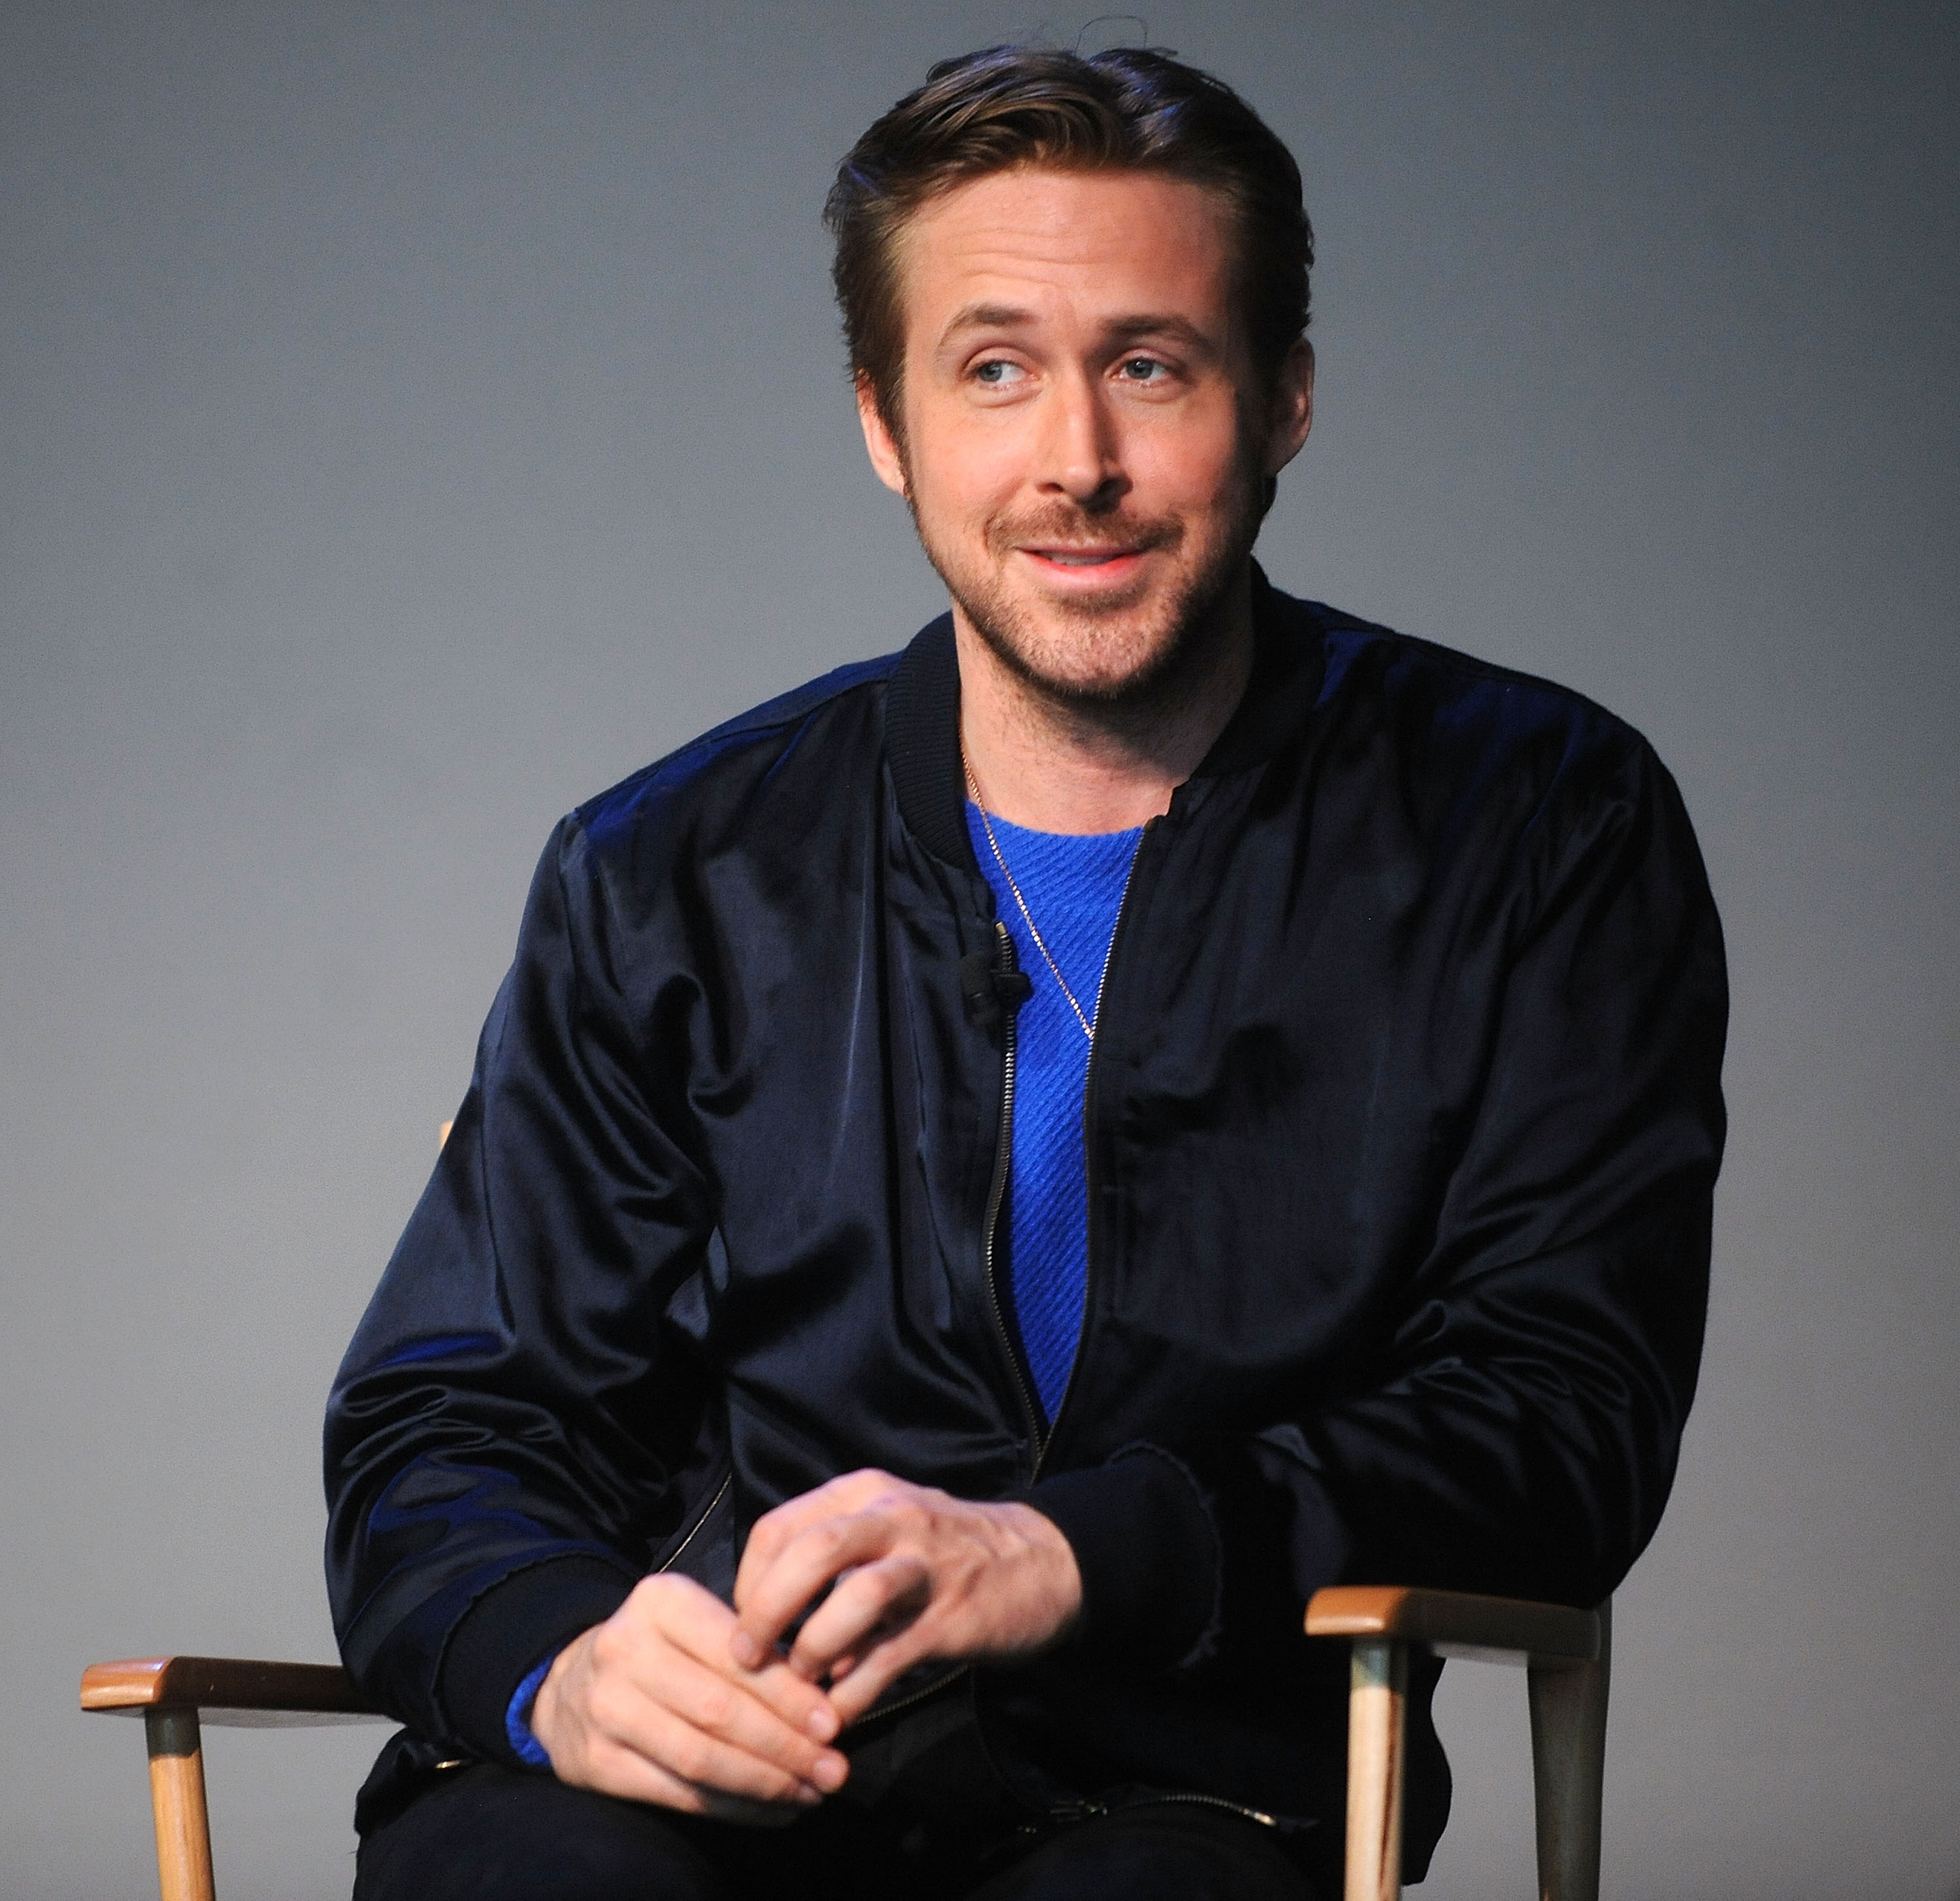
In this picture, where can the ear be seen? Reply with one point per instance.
(880, 443)
(1293, 408)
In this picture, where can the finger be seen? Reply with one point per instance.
(620, 1709)
(878, 1669)
(696, 1623)
(611, 1769)
(717, 1705)
(776, 1530)
(815, 1558)
(672, 1743)
(869, 1605)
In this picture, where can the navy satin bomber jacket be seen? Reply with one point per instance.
(1403, 1120)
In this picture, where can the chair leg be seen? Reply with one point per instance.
(1377, 1695)
(1568, 1722)
(176, 1796)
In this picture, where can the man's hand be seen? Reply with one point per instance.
(917, 1574)
(652, 1705)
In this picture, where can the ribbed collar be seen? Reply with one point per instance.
(922, 716)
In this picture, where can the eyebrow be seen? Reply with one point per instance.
(1120, 329)
(987, 317)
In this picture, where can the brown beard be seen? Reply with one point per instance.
(1190, 623)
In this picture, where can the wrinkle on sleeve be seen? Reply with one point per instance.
(512, 1402)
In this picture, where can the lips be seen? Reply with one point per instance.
(1068, 571)
(1062, 549)
(1082, 557)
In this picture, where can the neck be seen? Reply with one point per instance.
(1055, 764)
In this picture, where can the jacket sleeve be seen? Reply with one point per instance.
(1517, 1430)
(511, 1430)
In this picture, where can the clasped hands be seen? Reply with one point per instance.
(677, 1700)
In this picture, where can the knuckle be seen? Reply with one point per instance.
(669, 1597)
(870, 1485)
(717, 1708)
(689, 1757)
(665, 1592)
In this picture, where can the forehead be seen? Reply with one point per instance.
(1064, 244)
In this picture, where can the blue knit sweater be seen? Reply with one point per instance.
(1073, 886)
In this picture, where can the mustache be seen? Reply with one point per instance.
(1066, 528)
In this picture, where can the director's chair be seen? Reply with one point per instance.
(1566, 1651)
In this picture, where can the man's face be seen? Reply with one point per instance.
(1084, 441)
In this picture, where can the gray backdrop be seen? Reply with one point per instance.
(416, 416)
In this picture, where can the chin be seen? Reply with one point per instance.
(1103, 654)
(1104, 659)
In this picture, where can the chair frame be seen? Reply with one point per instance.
(1568, 1654)
(175, 1696)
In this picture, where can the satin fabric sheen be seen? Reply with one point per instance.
(1405, 1125)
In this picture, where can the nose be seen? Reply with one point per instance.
(1081, 457)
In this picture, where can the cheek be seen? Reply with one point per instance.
(966, 473)
(1188, 469)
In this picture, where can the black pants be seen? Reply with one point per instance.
(488, 1833)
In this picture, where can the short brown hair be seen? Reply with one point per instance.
(1133, 108)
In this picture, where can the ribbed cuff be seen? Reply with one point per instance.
(517, 1718)
(511, 1629)
(1148, 1552)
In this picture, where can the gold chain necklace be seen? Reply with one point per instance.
(1088, 1022)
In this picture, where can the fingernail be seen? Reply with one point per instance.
(822, 1722)
(806, 1797)
(829, 1773)
(747, 1652)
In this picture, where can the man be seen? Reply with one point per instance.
(992, 1178)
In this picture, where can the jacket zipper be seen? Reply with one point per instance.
(1087, 1811)
(996, 1189)
(879, 1711)
(1088, 1155)
(1208, 1802)
(1083, 1809)
(694, 1530)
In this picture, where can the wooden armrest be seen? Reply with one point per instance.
(230, 1690)
(1457, 1623)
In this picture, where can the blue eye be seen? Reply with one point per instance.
(994, 373)
(1142, 369)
